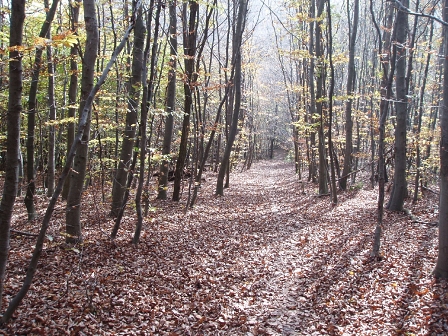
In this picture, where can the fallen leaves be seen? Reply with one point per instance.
(262, 260)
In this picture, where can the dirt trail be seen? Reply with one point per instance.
(262, 260)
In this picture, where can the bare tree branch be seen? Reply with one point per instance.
(407, 10)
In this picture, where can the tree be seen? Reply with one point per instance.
(13, 132)
(320, 82)
(441, 270)
(140, 31)
(399, 190)
(353, 29)
(134, 87)
(334, 196)
(32, 103)
(170, 104)
(84, 116)
(52, 116)
(73, 86)
(236, 62)
(387, 73)
(78, 173)
(190, 31)
(139, 35)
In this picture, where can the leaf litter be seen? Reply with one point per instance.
(264, 259)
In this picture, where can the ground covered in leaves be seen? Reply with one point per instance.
(265, 259)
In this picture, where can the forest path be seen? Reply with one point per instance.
(264, 259)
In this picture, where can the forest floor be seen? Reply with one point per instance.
(265, 259)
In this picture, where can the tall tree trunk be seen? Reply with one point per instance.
(441, 270)
(140, 31)
(52, 118)
(119, 184)
(237, 42)
(130, 177)
(399, 191)
(420, 117)
(170, 104)
(312, 110)
(32, 103)
(348, 105)
(151, 86)
(13, 134)
(78, 173)
(334, 195)
(72, 88)
(189, 37)
(388, 69)
(320, 82)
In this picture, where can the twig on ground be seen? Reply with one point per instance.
(22, 233)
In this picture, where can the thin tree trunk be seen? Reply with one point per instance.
(399, 190)
(197, 183)
(348, 105)
(386, 91)
(78, 173)
(52, 118)
(119, 184)
(334, 195)
(189, 39)
(140, 31)
(420, 117)
(130, 176)
(237, 90)
(320, 82)
(73, 88)
(312, 110)
(31, 122)
(170, 105)
(13, 135)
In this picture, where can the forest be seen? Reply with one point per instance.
(224, 167)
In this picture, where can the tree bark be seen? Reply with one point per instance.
(237, 42)
(130, 176)
(441, 270)
(78, 172)
(189, 38)
(52, 118)
(73, 88)
(320, 82)
(13, 134)
(348, 105)
(388, 69)
(312, 110)
(399, 191)
(140, 31)
(170, 105)
(127, 146)
(419, 117)
(334, 195)
(32, 102)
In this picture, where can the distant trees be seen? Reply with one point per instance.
(380, 106)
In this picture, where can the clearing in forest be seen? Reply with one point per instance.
(264, 259)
